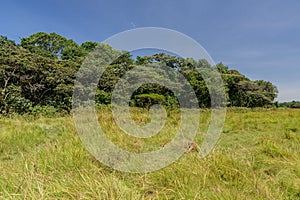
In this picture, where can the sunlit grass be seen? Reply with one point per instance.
(257, 157)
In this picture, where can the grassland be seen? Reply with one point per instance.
(257, 157)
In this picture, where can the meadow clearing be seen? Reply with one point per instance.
(257, 157)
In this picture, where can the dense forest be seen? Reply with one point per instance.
(39, 72)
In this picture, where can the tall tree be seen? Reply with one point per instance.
(52, 45)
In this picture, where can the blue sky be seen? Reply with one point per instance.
(261, 39)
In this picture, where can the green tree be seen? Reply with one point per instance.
(52, 45)
(27, 78)
(41, 72)
(89, 46)
(5, 41)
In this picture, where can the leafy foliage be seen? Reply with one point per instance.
(40, 71)
(27, 80)
(292, 104)
(146, 100)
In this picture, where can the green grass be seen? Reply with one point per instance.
(257, 157)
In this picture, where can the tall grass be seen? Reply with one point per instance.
(257, 157)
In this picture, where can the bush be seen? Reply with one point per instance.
(47, 111)
(146, 100)
(102, 97)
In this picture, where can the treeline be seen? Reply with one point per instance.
(39, 74)
(291, 104)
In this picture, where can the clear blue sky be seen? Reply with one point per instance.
(260, 38)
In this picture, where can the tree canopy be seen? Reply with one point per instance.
(40, 71)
